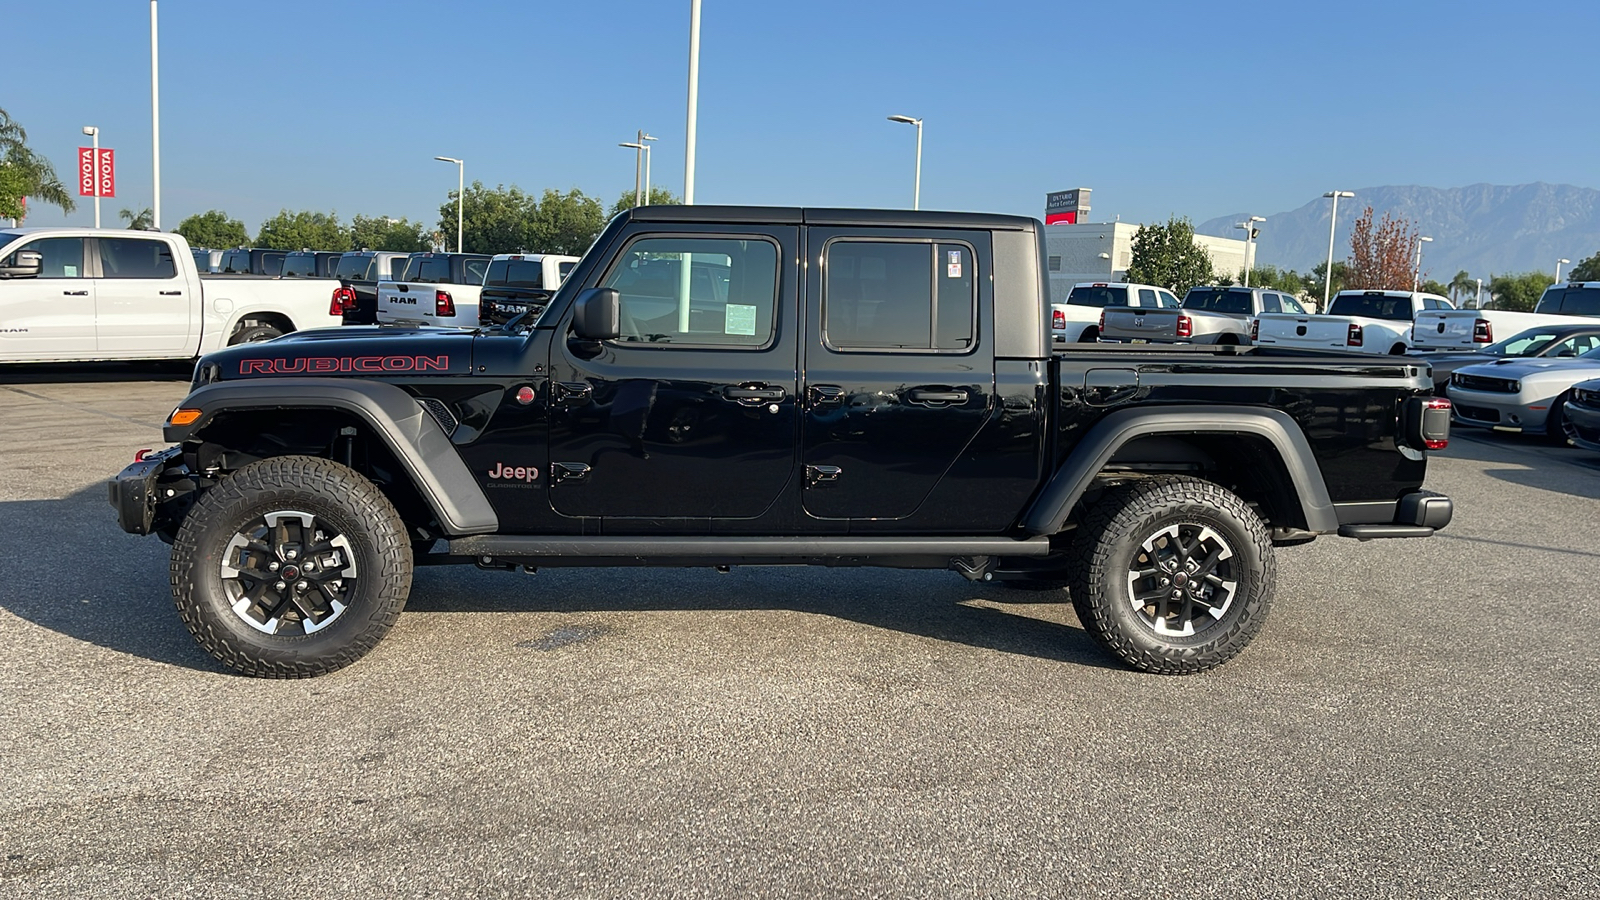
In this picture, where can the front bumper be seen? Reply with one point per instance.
(152, 494)
(1521, 411)
(1586, 421)
(1417, 514)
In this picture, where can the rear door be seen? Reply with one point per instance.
(143, 299)
(898, 376)
(51, 316)
(691, 414)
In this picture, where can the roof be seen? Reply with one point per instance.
(791, 215)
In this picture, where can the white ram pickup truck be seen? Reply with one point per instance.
(435, 289)
(86, 294)
(1361, 321)
(1473, 329)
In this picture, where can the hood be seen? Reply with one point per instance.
(351, 352)
(1520, 368)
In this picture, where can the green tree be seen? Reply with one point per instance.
(384, 233)
(659, 196)
(493, 220)
(1519, 292)
(213, 229)
(1319, 276)
(565, 223)
(1286, 280)
(1429, 286)
(1167, 255)
(24, 173)
(303, 230)
(1586, 269)
(1461, 286)
(138, 220)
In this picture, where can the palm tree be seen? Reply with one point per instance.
(30, 174)
(1461, 285)
(138, 221)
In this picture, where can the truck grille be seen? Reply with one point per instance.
(441, 413)
(1480, 383)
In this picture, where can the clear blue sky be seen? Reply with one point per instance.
(1163, 106)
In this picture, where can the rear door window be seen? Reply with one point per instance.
(1147, 298)
(475, 269)
(899, 295)
(136, 258)
(1269, 303)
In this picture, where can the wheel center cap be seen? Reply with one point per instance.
(291, 571)
(1179, 579)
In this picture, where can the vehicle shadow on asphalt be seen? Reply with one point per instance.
(88, 373)
(1545, 467)
(71, 570)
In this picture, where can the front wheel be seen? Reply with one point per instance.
(1558, 429)
(1173, 575)
(291, 567)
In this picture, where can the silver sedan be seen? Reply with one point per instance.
(1521, 395)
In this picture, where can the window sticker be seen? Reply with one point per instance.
(953, 264)
(69, 271)
(739, 319)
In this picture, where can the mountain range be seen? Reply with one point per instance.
(1482, 228)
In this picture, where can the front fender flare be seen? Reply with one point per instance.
(1049, 513)
(410, 433)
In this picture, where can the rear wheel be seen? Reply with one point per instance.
(1089, 335)
(292, 567)
(1173, 575)
(1397, 350)
(254, 333)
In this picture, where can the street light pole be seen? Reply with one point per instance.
(155, 127)
(94, 136)
(461, 193)
(1249, 226)
(694, 102)
(645, 139)
(1559, 264)
(1333, 222)
(638, 162)
(1478, 304)
(916, 194)
(1416, 275)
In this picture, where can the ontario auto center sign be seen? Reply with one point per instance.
(96, 178)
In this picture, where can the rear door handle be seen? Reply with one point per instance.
(75, 293)
(754, 393)
(824, 394)
(172, 293)
(936, 396)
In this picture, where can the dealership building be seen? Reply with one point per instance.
(1079, 251)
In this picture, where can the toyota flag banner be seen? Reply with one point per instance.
(89, 168)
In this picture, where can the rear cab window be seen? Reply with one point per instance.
(1220, 300)
(1372, 306)
(1098, 295)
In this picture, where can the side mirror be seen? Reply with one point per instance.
(597, 316)
(23, 264)
(1566, 354)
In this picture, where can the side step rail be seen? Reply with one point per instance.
(673, 550)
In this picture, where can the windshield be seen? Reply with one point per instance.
(520, 273)
(1570, 301)
(1219, 300)
(1372, 306)
(1098, 295)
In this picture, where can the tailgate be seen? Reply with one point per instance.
(1290, 330)
(1448, 329)
(1128, 323)
(401, 303)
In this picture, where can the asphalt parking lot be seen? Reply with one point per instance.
(1417, 718)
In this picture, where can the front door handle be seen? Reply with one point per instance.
(936, 396)
(754, 393)
(75, 293)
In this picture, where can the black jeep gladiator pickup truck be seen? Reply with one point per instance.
(720, 386)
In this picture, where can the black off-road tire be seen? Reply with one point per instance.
(374, 586)
(254, 333)
(1112, 540)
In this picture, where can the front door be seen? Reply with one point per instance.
(691, 414)
(50, 316)
(898, 377)
(144, 303)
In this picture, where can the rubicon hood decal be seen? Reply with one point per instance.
(318, 365)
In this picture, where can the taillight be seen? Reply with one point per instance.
(442, 304)
(1255, 330)
(1058, 320)
(344, 300)
(1185, 326)
(1482, 332)
(1354, 338)
(1102, 325)
(1425, 422)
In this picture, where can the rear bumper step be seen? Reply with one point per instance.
(1417, 514)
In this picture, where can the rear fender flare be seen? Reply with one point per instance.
(1049, 513)
(410, 433)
